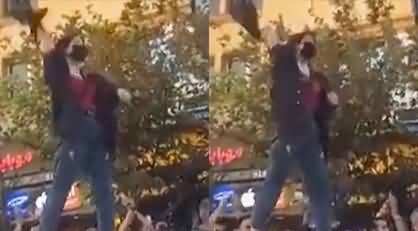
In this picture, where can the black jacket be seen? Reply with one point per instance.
(67, 114)
(324, 112)
(295, 122)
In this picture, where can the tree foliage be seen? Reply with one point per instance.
(369, 63)
(154, 50)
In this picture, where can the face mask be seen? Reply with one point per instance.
(308, 51)
(79, 53)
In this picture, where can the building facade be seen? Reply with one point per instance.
(9, 28)
(297, 15)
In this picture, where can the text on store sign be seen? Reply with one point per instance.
(11, 162)
(220, 156)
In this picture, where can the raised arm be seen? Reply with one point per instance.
(216, 214)
(127, 221)
(46, 43)
(38, 31)
(400, 224)
(270, 37)
(147, 223)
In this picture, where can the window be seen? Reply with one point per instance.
(415, 9)
(217, 7)
(200, 4)
(231, 63)
(226, 62)
(211, 61)
(14, 7)
(16, 70)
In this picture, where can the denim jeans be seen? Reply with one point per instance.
(81, 158)
(307, 154)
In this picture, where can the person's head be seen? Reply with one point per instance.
(305, 44)
(136, 225)
(74, 49)
(224, 224)
(161, 226)
(381, 224)
(245, 224)
(414, 220)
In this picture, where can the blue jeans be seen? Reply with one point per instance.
(307, 154)
(81, 158)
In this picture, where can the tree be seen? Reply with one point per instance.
(154, 52)
(368, 68)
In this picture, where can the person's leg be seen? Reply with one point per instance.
(316, 182)
(65, 174)
(101, 179)
(267, 197)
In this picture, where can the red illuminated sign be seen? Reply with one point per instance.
(221, 156)
(12, 162)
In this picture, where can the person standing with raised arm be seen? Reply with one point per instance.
(295, 100)
(83, 116)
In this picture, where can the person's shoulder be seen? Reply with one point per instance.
(54, 55)
(281, 50)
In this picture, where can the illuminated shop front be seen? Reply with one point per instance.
(239, 189)
(26, 181)
(236, 178)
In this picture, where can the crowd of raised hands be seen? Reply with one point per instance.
(388, 217)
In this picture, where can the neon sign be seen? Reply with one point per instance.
(17, 204)
(248, 198)
(12, 162)
(223, 192)
(17, 201)
(220, 196)
(221, 156)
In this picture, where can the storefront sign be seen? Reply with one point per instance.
(33, 179)
(227, 148)
(222, 193)
(17, 204)
(221, 156)
(17, 199)
(241, 175)
(15, 161)
(248, 199)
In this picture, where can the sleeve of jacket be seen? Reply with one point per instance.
(326, 111)
(106, 104)
(279, 56)
(55, 71)
(55, 68)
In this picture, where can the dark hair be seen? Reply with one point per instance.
(297, 38)
(63, 43)
(241, 219)
(229, 223)
(136, 224)
(389, 222)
